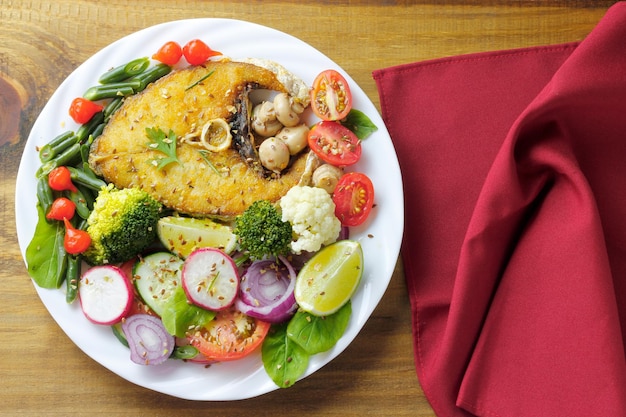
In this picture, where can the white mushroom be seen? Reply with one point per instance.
(326, 176)
(295, 137)
(274, 154)
(264, 121)
(287, 110)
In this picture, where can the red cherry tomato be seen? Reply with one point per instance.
(197, 52)
(353, 198)
(169, 54)
(334, 143)
(60, 179)
(331, 98)
(230, 336)
(61, 208)
(75, 241)
(82, 110)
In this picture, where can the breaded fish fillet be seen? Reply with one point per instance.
(179, 102)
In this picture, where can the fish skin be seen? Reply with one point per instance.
(121, 154)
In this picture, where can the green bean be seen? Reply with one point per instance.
(80, 201)
(151, 75)
(88, 179)
(112, 107)
(97, 131)
(121, 89)
(83, 132)
(85, 148)
(70, 156)
(56, 146)
(89, 195)
(44, 193)
(121, 73)
(72, 275)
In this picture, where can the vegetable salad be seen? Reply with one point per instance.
(256, 283)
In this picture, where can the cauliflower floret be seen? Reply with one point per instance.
(311, 212)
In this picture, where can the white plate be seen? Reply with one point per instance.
(380, 237)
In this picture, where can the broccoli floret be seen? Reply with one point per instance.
(261, 232)
(122, 224)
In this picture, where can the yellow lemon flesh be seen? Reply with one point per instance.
(330, 278)
(183, 235)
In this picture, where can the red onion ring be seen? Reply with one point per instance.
(149, 342)
(266, 291)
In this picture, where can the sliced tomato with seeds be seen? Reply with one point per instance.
(331, 98)
(230, 336)
(334, 143)
(353, 198)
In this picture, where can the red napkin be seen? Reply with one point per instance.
(514, 170)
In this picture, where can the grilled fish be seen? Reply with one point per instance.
(213, 184)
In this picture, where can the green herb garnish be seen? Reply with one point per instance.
(166, 144)
(199, 81)
(359, 124)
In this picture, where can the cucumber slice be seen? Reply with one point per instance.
(157, 276)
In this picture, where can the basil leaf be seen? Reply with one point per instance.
(359, 124)
(178, 315)
(45, 255)
(283, 360)
(318, 334)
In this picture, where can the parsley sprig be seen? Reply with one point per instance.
(166, 144)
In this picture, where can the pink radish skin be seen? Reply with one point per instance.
(210, 279)
(106, 294)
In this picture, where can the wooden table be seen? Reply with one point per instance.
(41, 42)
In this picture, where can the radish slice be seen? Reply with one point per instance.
(106, 294)
(149, 342)
(267, 291)
(210, 279)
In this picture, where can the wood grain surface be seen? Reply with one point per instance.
(42, 42)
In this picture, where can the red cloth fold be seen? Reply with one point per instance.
(514, 170)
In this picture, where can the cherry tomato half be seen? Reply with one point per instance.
(331, 98)
(197, 52)
(60, 179)
(82, 110)
(353, 198)
(61, 208)
(334, 143)
(169, 54)
(230, 336)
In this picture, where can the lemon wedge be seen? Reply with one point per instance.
(183, 235)
(330, 278)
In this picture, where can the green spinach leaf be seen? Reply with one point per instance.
(283, 359)
(318, 334)
(178, 315)
(45, 255)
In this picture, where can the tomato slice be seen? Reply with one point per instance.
(353, 198)
(331, 98)
(334, 143)
(230, 336)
